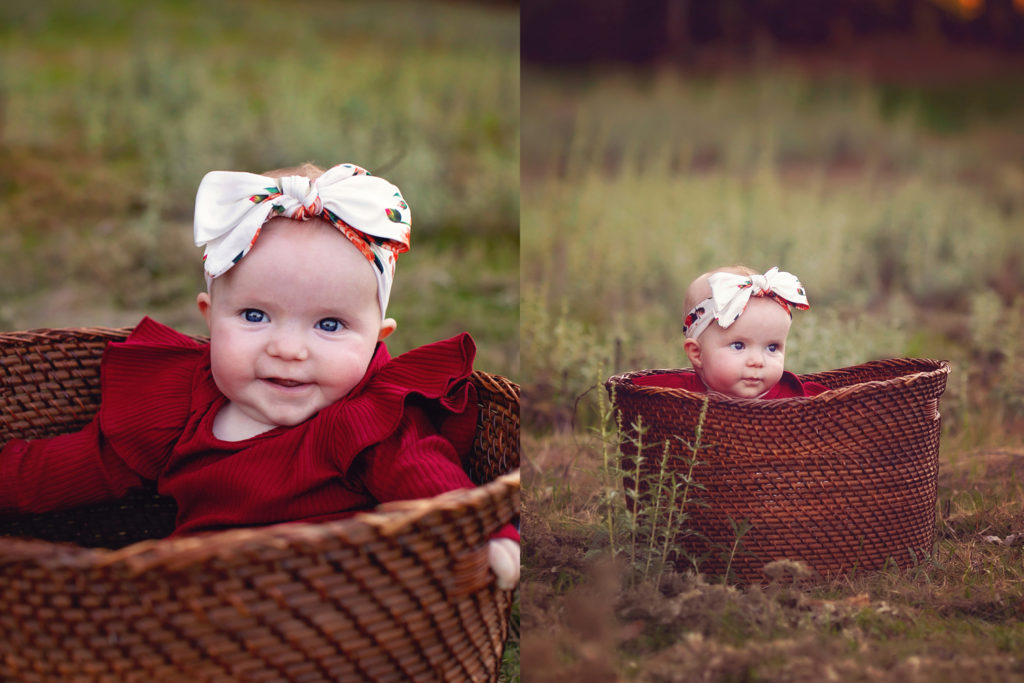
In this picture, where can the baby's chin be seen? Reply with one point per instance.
(746, 393)
(744, 389)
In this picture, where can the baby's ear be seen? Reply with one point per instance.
(205, 303)
(692, 348)
(387, 326)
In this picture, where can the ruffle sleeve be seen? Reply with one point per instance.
(150, 385)
(388, 410)
(434, 377)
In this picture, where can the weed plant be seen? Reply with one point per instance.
(646, 505)
(648, 492)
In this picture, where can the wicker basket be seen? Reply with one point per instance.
(401, 593)
(843, 481)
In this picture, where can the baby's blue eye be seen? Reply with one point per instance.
(330, 325)
(773, 348)
(737, 346)
(254, 315)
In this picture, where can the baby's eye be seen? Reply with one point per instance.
(254, 315)
(774, 348)
(737, 346)
(330, 325)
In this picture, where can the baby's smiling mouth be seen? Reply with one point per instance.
(286, 383)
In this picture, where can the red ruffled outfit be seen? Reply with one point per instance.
(397, 435)
(789, 386)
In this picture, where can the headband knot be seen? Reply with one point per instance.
(305, 192)
(370, 212)
(730, 294)
(759, 283)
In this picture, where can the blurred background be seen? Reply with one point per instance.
(111, 111)
(874, 148)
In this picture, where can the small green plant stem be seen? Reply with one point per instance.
(610, 485)
(739, 531)
(652, 538)
(635, 512)
(694, 448)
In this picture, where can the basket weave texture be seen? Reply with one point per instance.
(842, 481)
(400, 593)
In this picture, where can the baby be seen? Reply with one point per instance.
(294, 411)
(736, 326)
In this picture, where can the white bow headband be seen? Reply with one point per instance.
(730, 294)
(231, 207)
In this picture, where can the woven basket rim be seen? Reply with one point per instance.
(57, 332)
(388, 519)
(930, 368)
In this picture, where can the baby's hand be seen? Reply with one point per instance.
(503, 554)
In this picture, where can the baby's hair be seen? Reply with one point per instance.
(307, 170)
(699, 289)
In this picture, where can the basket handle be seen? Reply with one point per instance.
(470, 572)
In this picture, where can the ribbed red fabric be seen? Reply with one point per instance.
(789, 386)
(396, 436)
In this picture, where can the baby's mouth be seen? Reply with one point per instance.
(287, 383)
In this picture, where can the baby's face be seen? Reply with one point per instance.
(293, 327)
(747, 358)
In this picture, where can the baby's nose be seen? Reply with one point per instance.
(288, 346)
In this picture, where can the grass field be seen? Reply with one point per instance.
(900, 208)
